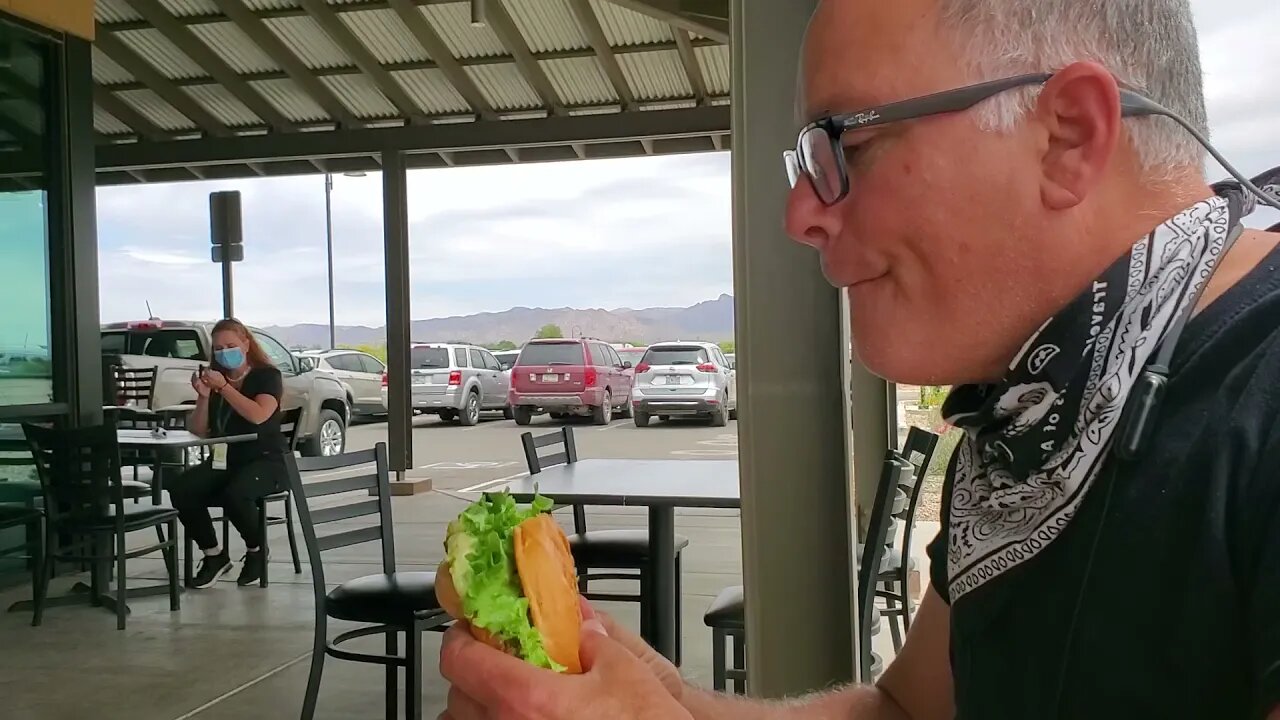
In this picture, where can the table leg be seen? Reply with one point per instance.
(662, 546)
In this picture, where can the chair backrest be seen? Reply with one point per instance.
(892, 474)
(918, 450)
(562, 438)
(79, 470)
(568, 453)
(135, 385)
(289, 424)
(355, 480)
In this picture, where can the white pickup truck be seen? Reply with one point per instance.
(176, 349)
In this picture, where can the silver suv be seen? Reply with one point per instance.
(685, 378)
(457, 382)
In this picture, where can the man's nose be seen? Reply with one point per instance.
(809, 220)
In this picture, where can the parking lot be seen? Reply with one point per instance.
(456, 457)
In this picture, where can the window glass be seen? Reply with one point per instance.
(277, 353)
(26, 367)
(370, 364)
(551, 353)
(477, 360)
(676, 355)
(428, 358)
(460, 357)
(491, 362)
(345, 363)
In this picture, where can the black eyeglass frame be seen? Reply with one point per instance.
(1132, 104)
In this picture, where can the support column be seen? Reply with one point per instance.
(395, 228)
(792, 366)
(75, 253)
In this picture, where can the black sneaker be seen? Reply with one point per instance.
(251, 568)
(212, 567)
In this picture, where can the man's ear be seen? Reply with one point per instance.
(1079, 109)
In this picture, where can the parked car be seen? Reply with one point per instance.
(683, 379)
(733, 360)
(456, 382)
(566, 377)
(176, 349)
(506, 358)
(631, 354)
(361, 374)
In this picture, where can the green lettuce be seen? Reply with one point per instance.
(480, 548)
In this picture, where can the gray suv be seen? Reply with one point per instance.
(457, 382)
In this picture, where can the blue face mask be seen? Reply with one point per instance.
(229, 358)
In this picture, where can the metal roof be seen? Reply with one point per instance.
(188, 89)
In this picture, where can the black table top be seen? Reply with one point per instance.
(649, 483)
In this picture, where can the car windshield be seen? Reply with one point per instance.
(428, 358)
(551, 354)
(676, 355)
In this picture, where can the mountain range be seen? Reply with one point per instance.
(711, 320)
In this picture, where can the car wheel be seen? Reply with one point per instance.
(523, 415)
(448, 415)
(330, 438)
(733, 414)
(641, 419)
(720, 416)
(624, 410)
(507, 412)
(602, 414)
(470, 414)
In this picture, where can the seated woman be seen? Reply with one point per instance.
(239, 395)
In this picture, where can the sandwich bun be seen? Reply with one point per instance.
(548, 581)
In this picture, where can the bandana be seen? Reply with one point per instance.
(1034, 443)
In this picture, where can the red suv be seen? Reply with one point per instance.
(570, 377)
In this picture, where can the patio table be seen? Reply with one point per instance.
(659, 485)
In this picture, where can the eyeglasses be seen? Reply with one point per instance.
(820, 157)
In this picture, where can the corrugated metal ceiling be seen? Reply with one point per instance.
(547, 25)
(656, 75)
(715, 68)
(624, 27)
(235, 48)
(579, 81)
(161, 54)
(385, 35)
(464, 40)
(309, 42)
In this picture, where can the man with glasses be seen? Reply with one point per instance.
(1012, 194)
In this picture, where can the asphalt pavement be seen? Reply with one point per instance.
(457, 457)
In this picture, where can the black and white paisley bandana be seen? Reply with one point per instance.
(1034, 443)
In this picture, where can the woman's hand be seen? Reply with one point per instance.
(201, 387)
(616, 683)
(215, 380)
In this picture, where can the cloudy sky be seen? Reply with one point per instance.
(604, 233)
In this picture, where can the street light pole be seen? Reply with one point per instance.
(328, 232)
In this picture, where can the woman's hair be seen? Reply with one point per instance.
(254, 355)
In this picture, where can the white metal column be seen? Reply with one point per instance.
(792, 363)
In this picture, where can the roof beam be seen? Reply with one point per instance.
(337, 31)
(436, 49)
(561, 131)
(204, 56)
(258, 32)
(604, 51)
(692, 68)
(431, 64)
(126, 58)
(127, 114)
(505, 28)
(704, 17)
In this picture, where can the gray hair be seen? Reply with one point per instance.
(1148, 44)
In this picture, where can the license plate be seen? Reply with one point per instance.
(673, 379)
(419, 380)
(550, 378)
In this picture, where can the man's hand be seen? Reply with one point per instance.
(201, 387)
(215, 380)
(615, 684)
(657, 663)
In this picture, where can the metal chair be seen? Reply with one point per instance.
(289, 428)
(135, 386)
(895, 569)
(31, 519)
(726, 616)
(618, 550)
(83, 494)
(389, 603)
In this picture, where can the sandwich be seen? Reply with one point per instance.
(508, 573)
